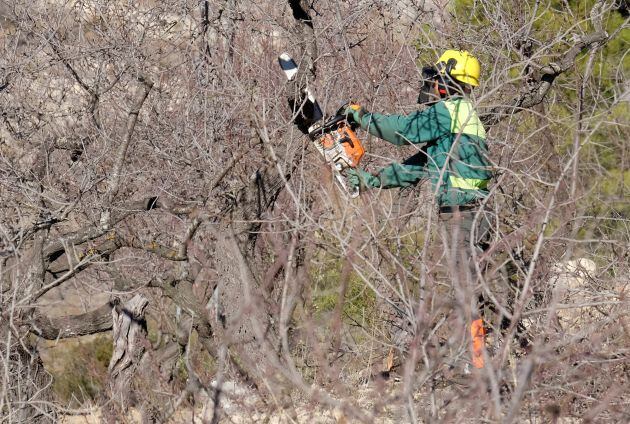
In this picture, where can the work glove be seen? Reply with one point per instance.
(358, 177)
(354, 112)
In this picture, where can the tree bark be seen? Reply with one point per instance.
(130, 344)
(96, 321)
(244, 321)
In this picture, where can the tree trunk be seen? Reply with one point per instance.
(130, 344)
(245, 324)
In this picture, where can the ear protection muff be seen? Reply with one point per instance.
(446, 83)
(426, 95)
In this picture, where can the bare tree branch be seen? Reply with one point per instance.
(119, 160)
(541, 85)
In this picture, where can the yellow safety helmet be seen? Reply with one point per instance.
(460, 65)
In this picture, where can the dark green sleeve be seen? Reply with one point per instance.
(399, 175)
(404, 174)
(418, 127)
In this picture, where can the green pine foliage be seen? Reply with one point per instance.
(603, 182)
(359, 302)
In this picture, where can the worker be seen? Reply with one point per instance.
(454, 156)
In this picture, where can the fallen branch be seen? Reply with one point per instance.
(97, 321)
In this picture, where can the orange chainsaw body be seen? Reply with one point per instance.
(341, 147)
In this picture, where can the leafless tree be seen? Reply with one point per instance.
(149, 161)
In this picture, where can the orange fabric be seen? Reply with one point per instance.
(478, 335)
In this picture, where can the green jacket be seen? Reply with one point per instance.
(449, 129)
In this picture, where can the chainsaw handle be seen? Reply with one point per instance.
(334, 120)
(347, 140)
(328, 126)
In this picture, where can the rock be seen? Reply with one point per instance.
(571, 289)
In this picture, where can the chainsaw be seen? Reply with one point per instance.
(334, 138)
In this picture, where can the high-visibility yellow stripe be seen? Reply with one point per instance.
(468, 183)
(464, 119)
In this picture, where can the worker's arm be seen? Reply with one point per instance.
(404, 174)
(395, 175)
(418, 127)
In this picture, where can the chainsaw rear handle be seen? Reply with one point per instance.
(347, 140)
